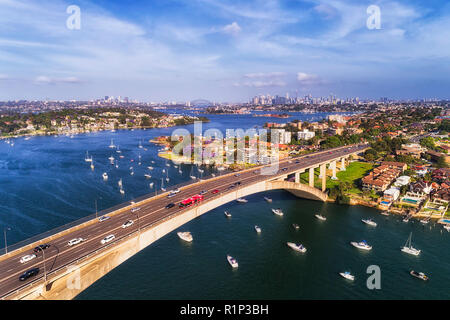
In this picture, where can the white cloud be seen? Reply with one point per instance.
(232, 28)
(307, 79)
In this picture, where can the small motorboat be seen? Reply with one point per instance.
(232, 261)
(258, 229)
(242, 200)
(268, 199)
(296, 247)
(347, 275)
(320, 217)
(361, 245)
(370, 222)
(105, 176)
(227, 214)
(186, 236)
(447, 227)
(278, 212)
(296, 226)
(419, 275)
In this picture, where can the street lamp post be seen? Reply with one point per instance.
(6, 245)
(45, 271)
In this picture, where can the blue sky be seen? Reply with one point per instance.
(224, 50)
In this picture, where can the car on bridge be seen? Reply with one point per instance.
(41, 247)
(127, 224)
(231, 187)
(135, 209)
(107, 239)
(28, 274)
(104, 218)
(203, 192)
(27, 258)
(215, 191)
(75, 241)
(170, 205)
(237, 174)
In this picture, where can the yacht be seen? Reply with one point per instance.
(147, 176)
(232, 261)
(111, 158)
(447, 227)
(320, 217)
(296, 247)
(117, 165)
(268, 199)
(105, 176)
(419, 275)
(258, 229)
(151, 185)
(361, 245)
(118, 150)
(227, 214)
(278, 212)
(296, 226)
(408, 248)
(242, 200)
(384, 213)
(122, 191)
(347, 275)
(112, 144)
(186, 236)
(369, 222)
(120, 183)
(150, 168)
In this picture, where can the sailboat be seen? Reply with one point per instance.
(92, 164)
(162, 185)
(111, 158)
(120, 183)
(105, 176)
(140, 144)
(117, 165)
(87, 159)
(191, 175)
(121, 190)
(408, 248)
(150, 168)
(112, 144)
(151, 185)
(167, 178)
(118, 150)
(147, 176)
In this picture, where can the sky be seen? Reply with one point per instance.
(224, 50)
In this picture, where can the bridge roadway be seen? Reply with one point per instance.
(60, 254)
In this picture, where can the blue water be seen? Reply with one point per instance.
(45, 183)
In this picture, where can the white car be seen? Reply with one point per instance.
(75, 241)
(104, 218)
(135, 209)
(27, 258)
(127, 224)
(108, 239)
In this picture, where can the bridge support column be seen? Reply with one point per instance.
(343, 164)
(333, 168)
(323, 172)
(311, 177)
(297, 177)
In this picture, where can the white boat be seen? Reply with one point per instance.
(347, 275)
(268, 199)
(132, 173)
(296, 247)
(278, 212)
(384, 213)
(227, 214)
(447, 227)
(232, 261)
(111, 158)
(87, 158)
(408, 248)
(220, 168)
(151, 185)
(118, 150)
(120, 183)
(320, 217)
(112, 144)
(425, 221)
(162, 185)
(369, 222)
(150, 168)
(242, 200)
(186, 236)
(419, 275)
(92, 165)
(147, 176)
(140, 145)
(296, 226)
(258, 229)
(122, 191)
(406, 219)
(105, 176)
(361, 245)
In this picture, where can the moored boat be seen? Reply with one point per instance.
(268, 199)
(361, 245)
(320, 217)
(258, 229)
(278, 212)
(347, 275)
(296, 247)
(419, 275)
(186, 236)
(242, 200)
(227, 214)
(369, 222)
(408, 248)
(232, 261)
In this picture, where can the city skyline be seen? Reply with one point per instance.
(223, 50)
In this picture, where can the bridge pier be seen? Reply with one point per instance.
(323, 171)
(311, 177)
(333, 168)
(343, 164)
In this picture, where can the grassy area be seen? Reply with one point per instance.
(354, 172)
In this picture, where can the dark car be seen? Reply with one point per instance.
(231, 187)
(237, 174)
(203, 192)
(237, 183)
(215, 191)
(284, 169)
(41, 247)
(297, 161)
(170, 205)
(29, 273)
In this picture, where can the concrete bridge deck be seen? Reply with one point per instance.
(67, 270)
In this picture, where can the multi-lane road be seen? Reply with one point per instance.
(60, 254)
